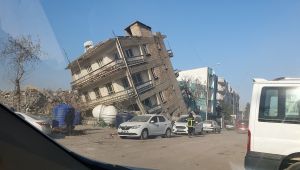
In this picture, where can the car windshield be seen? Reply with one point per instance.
(183, 119)
(86, 67)
(140, 119)
(207, 122)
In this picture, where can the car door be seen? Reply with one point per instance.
(153, 126)
(197, 125)
(162, 125)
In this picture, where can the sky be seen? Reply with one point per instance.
(259, 38)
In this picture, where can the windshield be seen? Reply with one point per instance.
(89, 66)
(183, 119)
(139, 119)
(207, 122)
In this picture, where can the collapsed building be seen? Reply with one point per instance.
(132, 73)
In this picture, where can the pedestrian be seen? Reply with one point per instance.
(190, 124)
(69, 119)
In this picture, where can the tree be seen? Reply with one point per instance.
(20, 56)
(227, 110)
(247, 111)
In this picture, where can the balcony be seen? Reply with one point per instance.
(110, 99)
(103, 71)
(155, 109)
(144, 86)
(135, 60)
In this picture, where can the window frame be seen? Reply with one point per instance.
(281, 106)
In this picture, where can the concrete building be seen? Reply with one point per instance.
(132, 72)
(205, 77)
(227, 95)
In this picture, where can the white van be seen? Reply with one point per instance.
(274, 125)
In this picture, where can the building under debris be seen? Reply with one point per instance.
(132, 73)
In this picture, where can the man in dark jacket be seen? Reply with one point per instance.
(190, 124)
(69, 119)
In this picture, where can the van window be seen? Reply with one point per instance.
(280, 104)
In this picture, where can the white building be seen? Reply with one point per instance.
(204, 76)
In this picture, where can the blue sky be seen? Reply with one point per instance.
(249, 38)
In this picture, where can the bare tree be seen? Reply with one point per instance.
(20, 56)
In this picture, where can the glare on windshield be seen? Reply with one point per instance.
(140, 119)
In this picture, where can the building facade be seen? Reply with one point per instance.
(202, 83)
(228, 96)
(132, 73)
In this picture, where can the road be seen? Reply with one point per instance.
(224, 151)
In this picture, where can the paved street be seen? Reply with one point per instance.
(211, 151)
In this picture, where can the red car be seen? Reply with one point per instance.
(242, 127)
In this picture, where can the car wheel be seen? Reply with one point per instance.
(144, 134)
(168, 133)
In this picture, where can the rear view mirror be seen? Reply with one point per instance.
(152, 121)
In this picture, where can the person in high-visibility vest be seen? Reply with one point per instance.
(190, 124)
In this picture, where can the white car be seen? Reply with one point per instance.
(274, 125)
(146, 125)
(211, 126)
(180, 126)
(41, 124)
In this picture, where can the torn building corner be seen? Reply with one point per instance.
(132, 73)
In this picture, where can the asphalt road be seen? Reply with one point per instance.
(223, 151)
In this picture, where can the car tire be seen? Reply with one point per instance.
(168, 133)
(144, 134)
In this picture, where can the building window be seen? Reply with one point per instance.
(125, 82)
(154, 73)
(110, 88)
(97, 93)
(145, 49)
(162, 96)
(100, 62)
(147, 102)
(86, 96)
(116, 56)
(137, 79)
(129, 53)
(89, 68)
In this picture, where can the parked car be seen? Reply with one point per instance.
(211, 126)
(143, 126)
(273, 135)
(229, 127)
(180, 126)
(41, 123)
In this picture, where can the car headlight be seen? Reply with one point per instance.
(136, 126)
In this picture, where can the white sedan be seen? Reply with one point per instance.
(143, 126)
(211, 126)
(180, 126)
(41, 124)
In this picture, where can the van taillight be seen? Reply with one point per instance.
(249, 141)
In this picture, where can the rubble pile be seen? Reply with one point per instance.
(37, 101)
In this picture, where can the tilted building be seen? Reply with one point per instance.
(132, 72)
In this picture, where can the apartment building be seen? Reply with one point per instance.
(132, 72)
(228, 96)
(206, 81)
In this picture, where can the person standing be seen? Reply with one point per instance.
(69, 119)
(190, 124)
